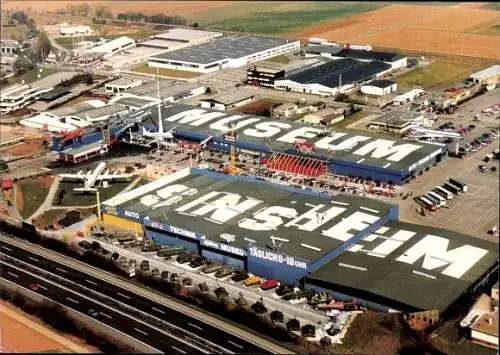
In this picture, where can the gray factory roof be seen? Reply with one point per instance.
(167, 89)
(381, 83)
(124, 81)
(159, 43)
(369, 55)
(421, 268)
(397, 117)
(186, 34)
(230, 219)
(380, 153)
(321, 48)
(233, 46)
(97, 112)
(339, 72)
(132, 101)
(231, 98)
(487, 73)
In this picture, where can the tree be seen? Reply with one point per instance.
(103, 12)
(20, 17)
(43, 46)
(195, 25)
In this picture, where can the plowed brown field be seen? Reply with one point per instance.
(147, 7)
(433, 29)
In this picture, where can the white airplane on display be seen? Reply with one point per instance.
(89, 179)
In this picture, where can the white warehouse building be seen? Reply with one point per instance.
(379, 87)
(112, 47)
(232, 51)
(67, 29)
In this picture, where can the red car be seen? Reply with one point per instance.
(269, 284)
(33, 287)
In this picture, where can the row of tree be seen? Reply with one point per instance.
(21, 18)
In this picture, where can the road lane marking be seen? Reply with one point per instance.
(157, 310)
(42, 287)
(105, 315)
(62, 270)
(34, 259)
(3, 247)
(195, 326)
(72, 300)
(91, 282)
(176, 348)
(121, 294)
(141, 331)
(11, 273)
(238, 345)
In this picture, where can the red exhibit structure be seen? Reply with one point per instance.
(296, 165)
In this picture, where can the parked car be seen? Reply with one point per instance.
(187, 282)
(239, 276)
(223, 272)
(93, 312)
(174, 277)
(252, 281)
(211, 267)
(269, 284)
(198, 262)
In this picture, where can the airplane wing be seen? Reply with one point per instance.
(73, 176)
(114, 177)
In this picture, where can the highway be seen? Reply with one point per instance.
(222, 338)
(117, 320)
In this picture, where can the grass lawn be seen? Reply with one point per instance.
(443, 71)
(351, 119)
(33, 195)
(492, 6)
(31, 76)
(279, 16)
(74, 199)
(18, 32)
(143, 68)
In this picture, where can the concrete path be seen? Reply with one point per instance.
(47, 203)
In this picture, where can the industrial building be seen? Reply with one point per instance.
(170, 90)
(231, 51)
(379, 87)
(488, 76)
(112, 47)
(17, 96)
(407, 97)
(351, 247)
(228, 101)
(9, 46)
(325, 117)
(265, 77)
(178, 38)
(67, 29)
(332, 77)
(129, 57)
(122, 84)
(343, 152)
(407, 267)
(396, 121)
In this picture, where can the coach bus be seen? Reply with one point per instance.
(427, 203)
(438, 197)
(443, 192)
(451, 187)
(433, 200)
(458, 183)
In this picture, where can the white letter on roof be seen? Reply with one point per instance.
(435, 251)
(195, 117)
(344, 145)
(303, 132)
(224, 208)
(222, 124)
(266, 129)
(391, 244)
(268, 219)
(314, 218)
(382, 148)
(357, 221)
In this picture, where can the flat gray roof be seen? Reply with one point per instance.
(412, 152)
(186, 34)
(233, 46)
(304, 230)
(397, 118)
(227, 99)
(410, 266)
(101, 111)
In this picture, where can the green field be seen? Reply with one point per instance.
(492, 6)
(33, 196)
(278, 16)
(351, 119)
(443, 71)
(74, 199)
(143, 68)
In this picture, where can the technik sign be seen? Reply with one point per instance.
(362, 146)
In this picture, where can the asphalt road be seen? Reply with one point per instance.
(215, 335)
(106, 315)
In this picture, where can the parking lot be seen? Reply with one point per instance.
(292, 309)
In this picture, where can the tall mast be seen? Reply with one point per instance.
(160, 121)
